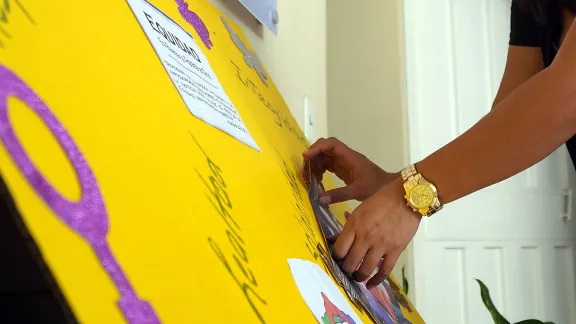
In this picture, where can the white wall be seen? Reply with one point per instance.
(366, 79)
(365, 84)
(296, 57)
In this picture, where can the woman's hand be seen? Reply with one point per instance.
(380, 228)
(361, 176)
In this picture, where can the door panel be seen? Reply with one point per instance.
(517, 236)
(527, 279)
(502, 215)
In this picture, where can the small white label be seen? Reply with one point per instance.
(190, 72)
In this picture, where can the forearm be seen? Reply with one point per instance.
(503, 92)
(528, 125)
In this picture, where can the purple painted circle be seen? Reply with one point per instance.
(88, 216)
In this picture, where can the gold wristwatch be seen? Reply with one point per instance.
(421, 194)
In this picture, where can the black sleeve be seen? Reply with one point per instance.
(524, 30)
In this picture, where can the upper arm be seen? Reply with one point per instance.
(521, 64)
(565, 61)
(524, 53)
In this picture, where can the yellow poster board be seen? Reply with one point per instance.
(145, 208)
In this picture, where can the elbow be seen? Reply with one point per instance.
(568, 116)
(494, 104)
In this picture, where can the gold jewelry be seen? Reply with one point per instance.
(421, 195)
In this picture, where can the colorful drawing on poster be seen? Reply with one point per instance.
(321, 294)
(392, 300)
(87, 217)
(399, 297)
(384, 304)
(333, 314)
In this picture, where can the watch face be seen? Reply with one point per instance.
(422, 196)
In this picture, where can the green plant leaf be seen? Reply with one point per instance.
(405, 286)
(496, 316)
(533, 321)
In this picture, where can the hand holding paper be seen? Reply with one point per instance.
(380, 228)
(376, 305)
(362, 177)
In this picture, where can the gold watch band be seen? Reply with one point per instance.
(436, 207)
(409, 173)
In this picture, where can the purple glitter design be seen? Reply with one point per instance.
(193, 19)
(87, 217)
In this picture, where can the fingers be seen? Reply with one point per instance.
(370, 263)
(320, 164)
(337, 195)
(323, 145)
(343, 243)
(355, 256)
(385, 270)
(346, 215)
(331, 238)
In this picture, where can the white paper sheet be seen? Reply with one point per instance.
(190, 72)
(313, 283)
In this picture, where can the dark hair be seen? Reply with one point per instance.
(542, 9)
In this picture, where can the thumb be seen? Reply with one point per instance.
(337, 195)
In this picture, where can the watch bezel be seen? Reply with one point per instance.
(427, 185)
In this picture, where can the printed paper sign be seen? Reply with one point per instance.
(190, 71)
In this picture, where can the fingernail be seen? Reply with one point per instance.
(346, 215)
(357, 277)
(325, 200)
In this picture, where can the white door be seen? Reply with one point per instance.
(518, 236)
